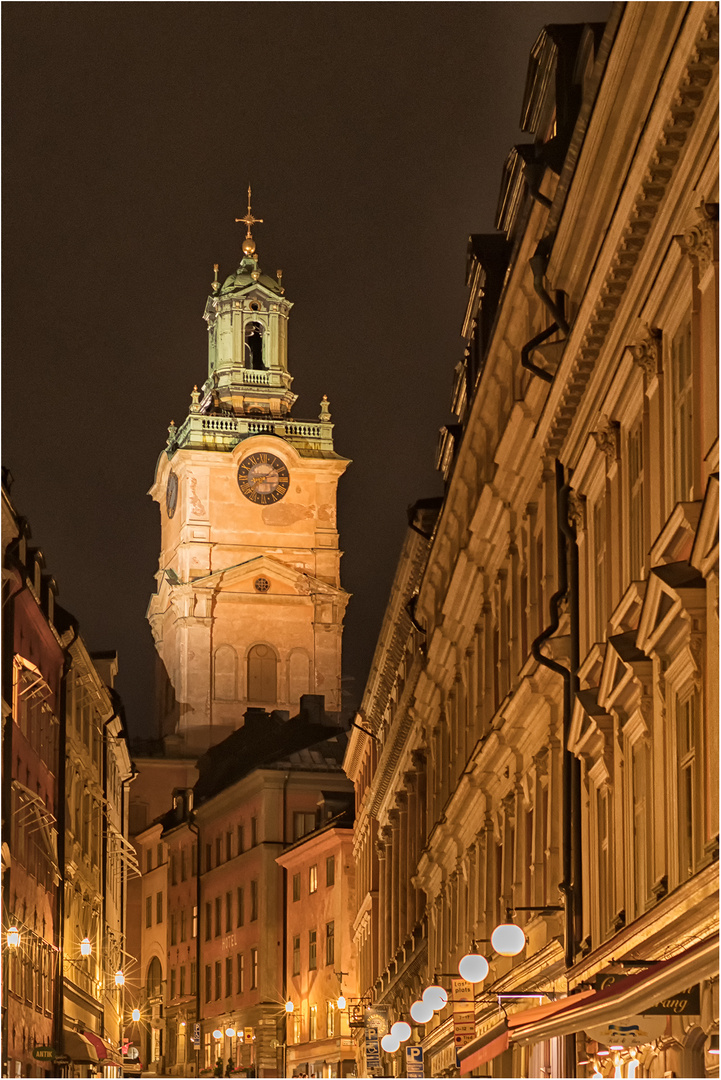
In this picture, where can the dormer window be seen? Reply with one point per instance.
(254, 346)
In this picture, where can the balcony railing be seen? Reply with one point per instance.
(206, 432)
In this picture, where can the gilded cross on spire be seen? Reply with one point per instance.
(248, 221)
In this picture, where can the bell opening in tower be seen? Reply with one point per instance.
(254, 347)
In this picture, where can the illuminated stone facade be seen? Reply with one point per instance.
(249, 608)
(564, 646)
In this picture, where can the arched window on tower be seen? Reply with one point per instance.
(225, 674)
(262, 675)
(254, 346)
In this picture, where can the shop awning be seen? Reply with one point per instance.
(499, 1038)
(104, 1049)
(78, 1048)
(589, 1008)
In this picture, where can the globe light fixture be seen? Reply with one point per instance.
(421, 1012)
(289, 1006)
(85, 947)
(341, 1003)
(230, 1032)
(401, 1030)
(436, 997)
(135, 1014)
(217, 1034)
(182, 1023)
(473, 968)
(119, 978)
(390, 1043)
(508, 939)
(12, 937)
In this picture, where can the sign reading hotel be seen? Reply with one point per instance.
(464, 1015)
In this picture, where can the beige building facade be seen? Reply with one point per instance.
(564, 641)
(249, 607)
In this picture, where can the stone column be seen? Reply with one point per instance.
(418, 759)
(394, 818)
(403, 876)
(383, 904)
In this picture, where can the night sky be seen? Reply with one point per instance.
(374, 136)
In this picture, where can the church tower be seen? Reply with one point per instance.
(248, 609)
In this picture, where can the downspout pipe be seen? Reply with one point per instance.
(528, 348)
(560, 669)
(565, 886)
(538, 263)
(569, 532)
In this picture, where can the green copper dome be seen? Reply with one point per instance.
(247, 274)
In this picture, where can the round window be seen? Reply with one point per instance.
(255, 307)
(262, 584)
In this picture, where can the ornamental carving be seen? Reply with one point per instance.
(647, 353)
(607, 438)
(700, 240)
(577, 510)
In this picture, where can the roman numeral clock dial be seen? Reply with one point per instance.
(263, 478)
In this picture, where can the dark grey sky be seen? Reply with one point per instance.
(374, 136)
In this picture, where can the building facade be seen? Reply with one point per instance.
(564, 714)
(320, 962)
(33, 665)
(66, 855)
(249, 607)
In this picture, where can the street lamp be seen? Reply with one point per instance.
(85, 947)
(421, 1011)
(119, 978)
(12, 937)
(390, 1043)
(436, 997)
(135, 1015)
(341, 1003)
(230, 1032)
(508, 939)
(473, 968)
(401, 1031)
(289, 1006)
(217, 1034)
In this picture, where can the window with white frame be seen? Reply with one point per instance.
(639, 816)
(682, 413)
(688, 728)
(636, 534)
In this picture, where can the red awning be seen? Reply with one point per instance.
(103, 1049)
(589, 1008)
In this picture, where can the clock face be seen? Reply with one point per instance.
(171, 494)
(263, 478)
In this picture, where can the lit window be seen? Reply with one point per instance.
(313, 879)
(296, 954)
(329, 1019)
(312, 947)
(253, 969)
(313, 1023)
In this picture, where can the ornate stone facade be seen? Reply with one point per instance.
(564, 644)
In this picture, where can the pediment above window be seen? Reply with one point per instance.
(704, 554)
(675, 603)
(627, 673)
(591, 735)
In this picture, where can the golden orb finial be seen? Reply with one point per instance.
(248, 220)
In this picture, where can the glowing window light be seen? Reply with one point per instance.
(12, 937)
(473, 968)
(85, 947)
(390, 1044)
(508, 939)
(421, 1011)
(436, 997)
(401, 1031)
